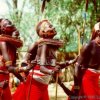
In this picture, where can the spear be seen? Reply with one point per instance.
(56, 86)
(84, 23)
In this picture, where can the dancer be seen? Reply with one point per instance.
(88, 67)
(9, 42)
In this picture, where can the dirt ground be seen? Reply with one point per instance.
(60, 93)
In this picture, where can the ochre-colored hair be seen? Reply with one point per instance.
(95, 31)
(38, 27)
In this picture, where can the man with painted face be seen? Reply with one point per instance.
(43, 53)
(9, 42)
(88, 68)
(41, 56)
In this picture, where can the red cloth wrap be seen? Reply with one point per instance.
(38, 90)
(3, 76)
(90, 89)
(5, 94)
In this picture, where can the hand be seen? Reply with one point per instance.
(55, 70)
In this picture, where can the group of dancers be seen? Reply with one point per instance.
(40, 64)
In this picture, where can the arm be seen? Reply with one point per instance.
(84, 57)
(8, 60)
(29, 60)
(66, 63)
(82, 62)
(25, 67)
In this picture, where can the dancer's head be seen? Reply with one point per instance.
(45, 29)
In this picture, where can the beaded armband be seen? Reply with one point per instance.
(8, 63)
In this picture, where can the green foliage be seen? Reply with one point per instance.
(66, 15)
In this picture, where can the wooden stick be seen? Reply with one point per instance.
(56, 86)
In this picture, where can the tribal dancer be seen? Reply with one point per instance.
(9, 42)
(43, 55)
(88, 67)
(43, 51)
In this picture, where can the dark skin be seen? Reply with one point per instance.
(58, 65)
(89, 58)
(78, 70)
(8, 49)
(44, 49)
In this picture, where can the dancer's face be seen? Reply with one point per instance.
(47, 30)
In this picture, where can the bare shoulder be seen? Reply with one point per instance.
(83, 48)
